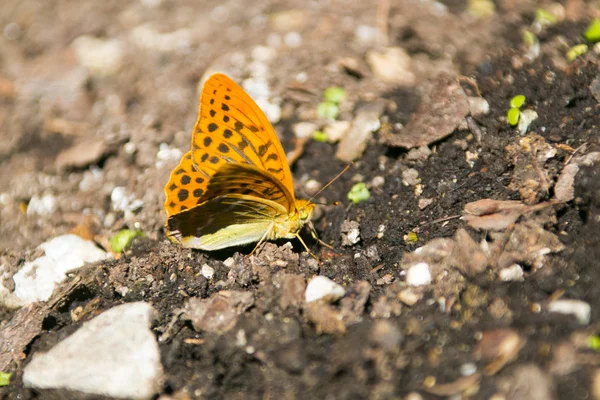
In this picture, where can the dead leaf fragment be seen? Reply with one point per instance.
(441, 111)
(498, 215)
(82, 154)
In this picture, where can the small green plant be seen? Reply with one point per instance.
(326, 110)
(4, 378)
(334, 94)
(122, 239)
(593, 342)
(329, 107)
(576, 51)
(358, 193)
(411, 238)
(514, 113)
(592, 33)
(544, 17)
(320, 136)
(529, 38)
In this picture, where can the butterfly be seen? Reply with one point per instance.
(234, 186)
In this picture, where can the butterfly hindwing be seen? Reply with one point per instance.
(237, 196)
(185, 187)
(224, 221)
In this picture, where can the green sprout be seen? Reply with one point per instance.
(592, 33)
(514, 113)
(544, 17)
(320, 136)
(334, 95)
(529, 38)
(593, 342)
(481, 8)
(411, 238)
(326, 110)
(358, 193)
(517, 101)
(4, 378)
(576, 51)
(122, 239)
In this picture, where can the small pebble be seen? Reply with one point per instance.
(304, 129)
(42, 205)
(525, 119)
(207, 271)
(336, 130)
(321, 287)
(418, 275)
(377, 182)
(468, 369)
(478, 106)
(580, 309)
(512, 273)
(292, 40)
(410, 177)
(311, 187)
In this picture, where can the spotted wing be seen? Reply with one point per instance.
(239, 207)
(230, 128)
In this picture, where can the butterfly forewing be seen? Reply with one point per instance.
(232, 128)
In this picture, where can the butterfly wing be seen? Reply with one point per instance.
(240, 206)
(230, 128)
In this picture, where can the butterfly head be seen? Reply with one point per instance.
(305, 210)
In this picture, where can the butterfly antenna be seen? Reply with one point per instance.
(330, 182)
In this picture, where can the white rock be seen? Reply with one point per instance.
(292, 40)
(229, 262)
(410, 177)
(336, 130)
(418, 275)
(114, 354)
(525, 119)
(264, 54)
(102, 57)
(366, 34)
(207, 271)
(377, 182)
(512, 273)
(304, 129)
(321, 287)
(478, 106)
(36, 280)
(42, 205)
(580, 309)
(147, 37)
(123, 201)
(167, 155)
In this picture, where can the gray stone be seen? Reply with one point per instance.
(114, 354)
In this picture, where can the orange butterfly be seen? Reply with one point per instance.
(234, 186)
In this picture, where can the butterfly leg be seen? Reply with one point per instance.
(313, 233)
(261, 241)
(306, 247)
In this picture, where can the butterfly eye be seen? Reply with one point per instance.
(303, 213)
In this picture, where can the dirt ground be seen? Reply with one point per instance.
(72, 131)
